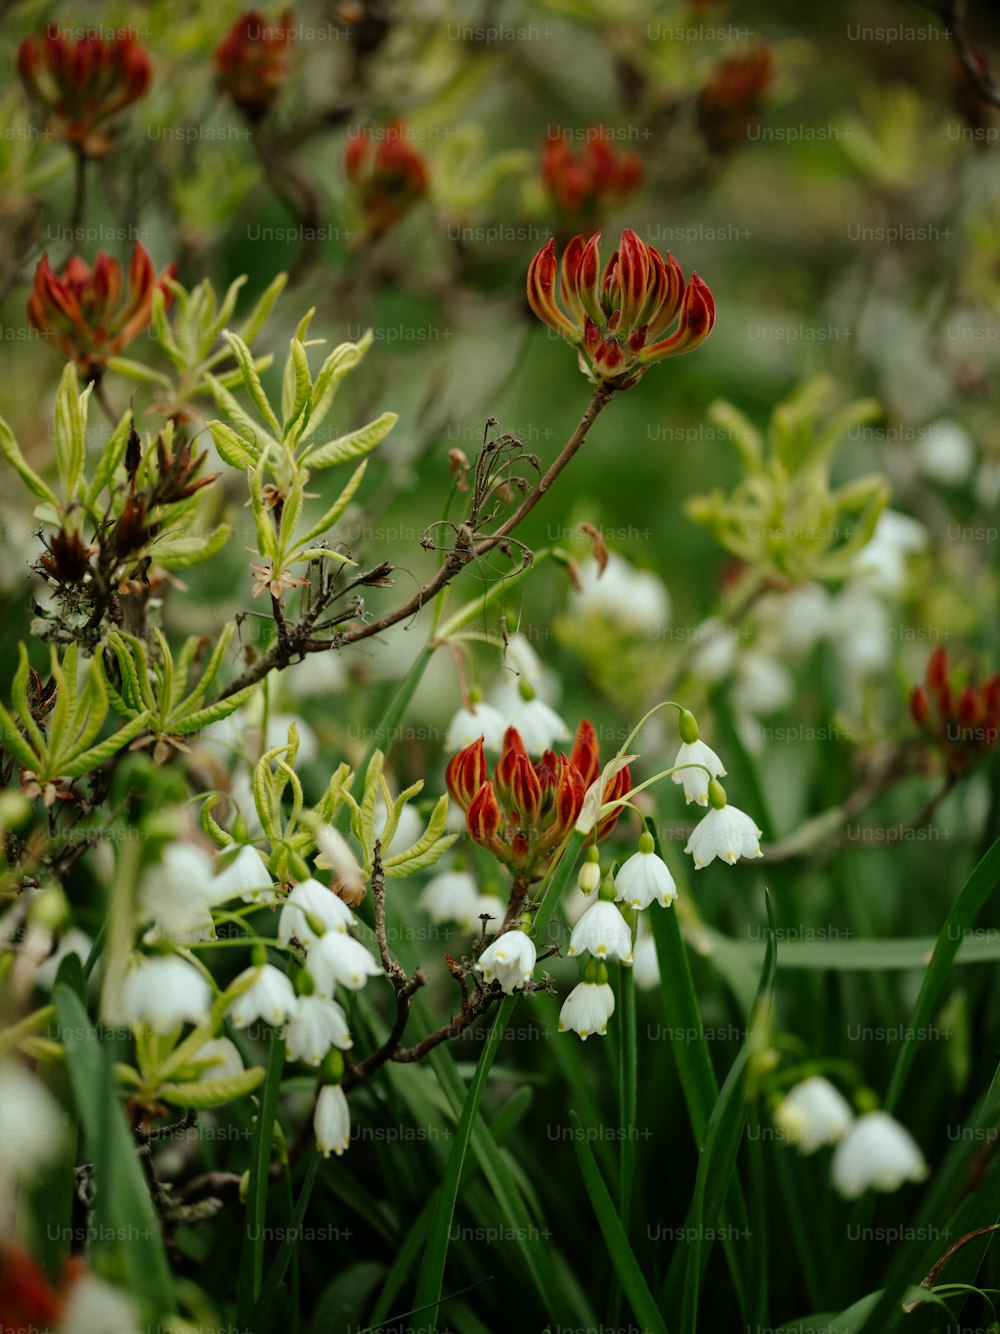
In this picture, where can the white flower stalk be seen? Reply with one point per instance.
(244, 875)
(587, 1009)
(814, 1113)
(221, 1059)
(468, 725)
(311, 899)
(510, 960)
(175, 895)
(32, 1125)
(645, 877)
(695, 780)
(336, 856)
(603, 932)
(332, 1121)
(450, 896)
(317, 1025)
(269, 996)
(164, 992)
(876, 1152)
(337, 958)
(725, 832)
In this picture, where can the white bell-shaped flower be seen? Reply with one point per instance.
(269, 996)
(317, 1025)
(319, 902)
(332, 1121)
(813, 1113)
(603, 932)
(587, 1009)
(877, 1153)
(339, 958)
(510, 960)
(163, 992)
(695, 781)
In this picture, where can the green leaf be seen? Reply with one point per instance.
(323, 553)
(111, 456)
(162, 330)
(84, 763)
(339, 363)
(19, 696)
(717, 1163)
(338, 506)
(14, 742)
(626, 1266)
(251, 381)
(123, 1209)
(177, 553)
(194, 722)
(235, 449)
(202, 1093)
(405, 863)
(255, 321)
(252, 1260)
(297, 391)
(11, 451)
(70, 430)
(977, 889)
(135, 370)
(353, 445)
(234, 410)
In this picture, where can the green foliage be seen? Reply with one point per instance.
(158, 690)
(784, 518)
(63, 745)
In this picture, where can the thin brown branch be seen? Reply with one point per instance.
(278, 656)
(404, 987)
(973, 62)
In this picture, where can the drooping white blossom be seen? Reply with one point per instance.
(877, 1153)
(813, 1113)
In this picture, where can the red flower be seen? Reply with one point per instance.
(729, 104)
(88, 311)
(28, 1301)
(615, 318)
(524, 812)
(967, 725)
(388, 173)
(585, 183)
(84, 83)
(251, 62)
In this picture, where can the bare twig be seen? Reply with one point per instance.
(461, 554)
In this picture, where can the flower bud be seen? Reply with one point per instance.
(466, 773)
(84, 83)
(251, 62)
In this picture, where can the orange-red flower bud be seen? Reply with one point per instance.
(251, 62)
(967, 725)
(84, 83)
(584, 184)
(729, 104)
(483, 819)
(87, 310)
(610, 317)
(584, 755)
(388, 174)
(466, 773)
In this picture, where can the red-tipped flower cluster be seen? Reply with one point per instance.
(94, 312)
(586, 182)
(729, 104)
(251, 62)
(524, 812)
(967, 725)
(84, 83)
(388, 173)
(615, 318)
